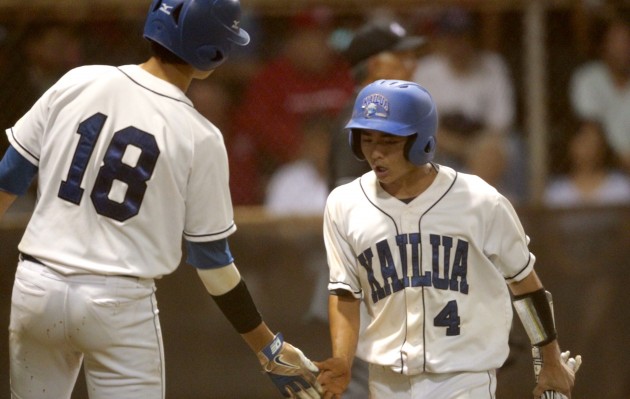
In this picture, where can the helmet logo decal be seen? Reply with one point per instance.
(235, 25)
(375, 106)
(166, 9)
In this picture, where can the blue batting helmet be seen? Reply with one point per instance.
(200, 32)
(400, 108)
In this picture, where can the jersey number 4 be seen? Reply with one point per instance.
(449, 318)
(113, 168)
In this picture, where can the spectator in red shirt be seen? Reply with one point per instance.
(307, 78)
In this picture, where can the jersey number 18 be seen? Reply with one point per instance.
(113, 168)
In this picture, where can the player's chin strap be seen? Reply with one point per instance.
(535, 311)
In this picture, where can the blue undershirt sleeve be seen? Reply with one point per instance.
(16, 172)
(209, 254)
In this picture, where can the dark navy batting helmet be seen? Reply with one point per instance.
(400, 108)
(200, 32)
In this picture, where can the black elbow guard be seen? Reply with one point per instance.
(239, 308)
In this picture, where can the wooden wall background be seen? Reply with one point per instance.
(582, 256)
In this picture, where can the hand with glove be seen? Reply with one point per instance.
(291, 372)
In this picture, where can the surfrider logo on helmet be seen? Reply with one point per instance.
(375, 106)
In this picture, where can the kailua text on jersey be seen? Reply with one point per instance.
(446, 273)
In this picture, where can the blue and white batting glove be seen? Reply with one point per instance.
(290, 371)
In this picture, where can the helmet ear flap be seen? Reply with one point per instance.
(411, 141)
(429, 147)
(355, 143)
(212, 55)
(418, 152)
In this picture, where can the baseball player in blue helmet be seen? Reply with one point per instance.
(433, 254)
(125, 167)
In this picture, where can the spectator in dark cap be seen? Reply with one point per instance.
(378, 50)
(375, 39)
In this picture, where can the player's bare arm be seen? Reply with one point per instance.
(288, 368)
(557, 373)
(344, 330)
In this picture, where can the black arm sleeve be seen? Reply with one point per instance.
(239, 308)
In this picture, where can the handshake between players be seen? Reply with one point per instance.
(296, 376)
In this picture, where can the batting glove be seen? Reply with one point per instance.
(290, 371)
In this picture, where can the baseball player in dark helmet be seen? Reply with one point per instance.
(125, 167)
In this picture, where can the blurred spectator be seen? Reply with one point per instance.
(307, 78)
(214, 101)
(592, 177)
(300, 186)
(49, 51)
(378, 50)
(474, 93)
(114, 41)
(586, 231)
(600, 89)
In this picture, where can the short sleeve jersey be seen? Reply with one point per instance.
(126, 166)
(432, 272)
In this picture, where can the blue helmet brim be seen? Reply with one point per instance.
(241, 39)
(382, 125)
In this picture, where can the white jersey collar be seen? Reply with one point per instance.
(154, 84)
(442, 183)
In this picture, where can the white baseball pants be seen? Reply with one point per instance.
(386, 384)
(110, 324)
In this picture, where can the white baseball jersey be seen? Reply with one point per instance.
(126, 166)
(432, 272)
